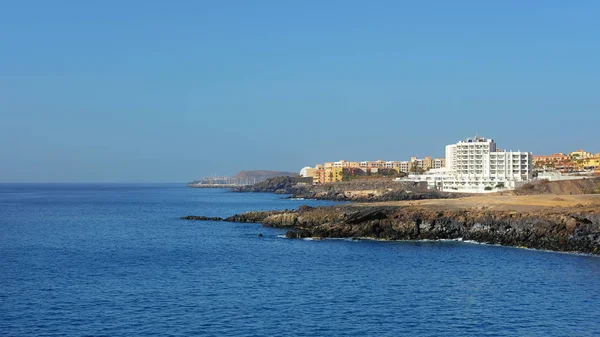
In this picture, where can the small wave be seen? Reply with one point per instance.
(474, 242)
(351, 239)
(553, 251)
(357, 239)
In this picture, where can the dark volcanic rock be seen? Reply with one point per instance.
(367, 214)
(558, 230)
(368, 190)
(363, 192)
(201, 218)
(252, 217)
(280, 185)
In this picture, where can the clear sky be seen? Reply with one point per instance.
(169, 91)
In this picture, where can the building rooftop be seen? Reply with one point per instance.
(476, 139)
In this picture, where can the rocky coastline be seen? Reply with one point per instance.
(389, 210)
(386, 189)
(564, 229)
(367, 190)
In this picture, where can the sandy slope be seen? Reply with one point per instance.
(501, 202)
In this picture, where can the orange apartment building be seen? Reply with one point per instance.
(333, 171)
(574, 161)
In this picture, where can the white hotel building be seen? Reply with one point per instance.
(476, 166)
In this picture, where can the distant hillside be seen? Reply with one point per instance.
(261, 175)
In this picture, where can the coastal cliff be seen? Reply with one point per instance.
(578, 230)
(570, 229)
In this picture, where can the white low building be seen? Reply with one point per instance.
(557, 176)
(434, 178)
(476, 166)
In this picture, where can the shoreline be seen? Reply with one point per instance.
(459, 241)
(543, 222)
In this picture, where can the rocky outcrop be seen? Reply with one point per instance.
(577, 231)
(201, 218)
(570, 230)
(254, 216)
(251, 217)
(362, 190)
(281, 185)
(396, 194)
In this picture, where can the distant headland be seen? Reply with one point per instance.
(243, 178)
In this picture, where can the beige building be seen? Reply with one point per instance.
(345, 164)
(427, 163)
(309, 172)
(416, 163)
(327, 173)
(404, 166)
(438, 163)
(580, 154)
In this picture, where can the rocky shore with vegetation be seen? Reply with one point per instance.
(566, 224)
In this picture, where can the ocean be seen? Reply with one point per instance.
(115, 260)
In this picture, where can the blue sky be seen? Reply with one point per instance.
(158, 91)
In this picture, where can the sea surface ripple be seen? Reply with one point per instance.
(115, 260)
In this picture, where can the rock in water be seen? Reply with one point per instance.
(201, 218)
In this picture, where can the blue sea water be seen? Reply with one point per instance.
(115, 260)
